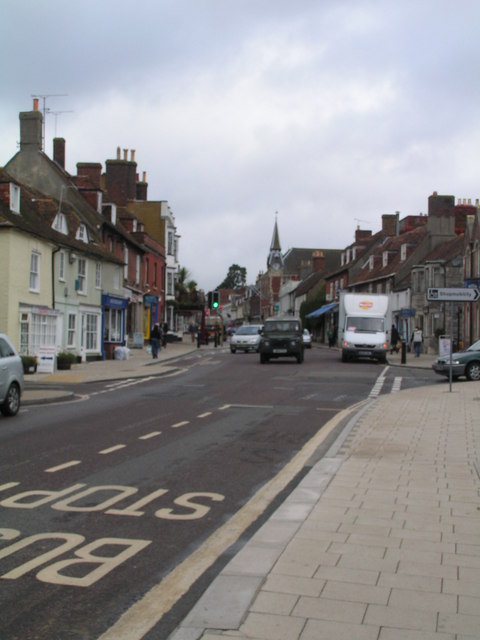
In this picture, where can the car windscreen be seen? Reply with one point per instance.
(247, 331)
(475, 346)
(282, 326)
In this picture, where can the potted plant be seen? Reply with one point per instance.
(29, 364)
(65, 359)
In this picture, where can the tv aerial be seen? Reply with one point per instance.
(44, 97)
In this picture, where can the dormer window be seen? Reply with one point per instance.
(60, 223)
(403, 252)
(82, 233)
(385, 258)
(371, 262)
(14, 198)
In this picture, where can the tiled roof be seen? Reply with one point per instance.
(447, 250)
(392, 245)
(37, 213)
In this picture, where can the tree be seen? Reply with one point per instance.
(186, 289)
(236, 278)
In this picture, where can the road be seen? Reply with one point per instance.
(103, 498)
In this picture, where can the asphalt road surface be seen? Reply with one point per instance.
(153, 484)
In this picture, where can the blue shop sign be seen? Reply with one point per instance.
(408, 313)
(114, 302)
(149, 300)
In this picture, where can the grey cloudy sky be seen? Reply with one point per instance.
(331, 112)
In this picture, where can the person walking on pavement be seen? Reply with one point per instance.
(331, 337)
(155, 337)
(417, 339)
(394, 338)
(164, 334)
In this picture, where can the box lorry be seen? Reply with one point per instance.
(363, 326)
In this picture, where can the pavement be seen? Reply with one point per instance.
(381, 538)
(46, 388)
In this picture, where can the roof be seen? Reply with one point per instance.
(37, 213)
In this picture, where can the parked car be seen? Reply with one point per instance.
(246, 338)
(464, 363)
(11, 377)
(307, 339)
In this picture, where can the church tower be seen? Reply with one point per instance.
(271, 280)
(275, 258)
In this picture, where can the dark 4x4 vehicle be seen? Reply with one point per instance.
(281, 337)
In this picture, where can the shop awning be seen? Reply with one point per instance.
(325, 309)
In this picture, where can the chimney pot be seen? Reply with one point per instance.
(35, 104)
(132, 155)
(118, 153)
(125, 154)
(144, 177)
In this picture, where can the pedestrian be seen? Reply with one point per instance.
(417, 339)
(191, 329)
(155, 337)
(394, 338)
(331, 337)
(164, 332)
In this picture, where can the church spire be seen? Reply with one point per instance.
(275, 258)
(275, 246)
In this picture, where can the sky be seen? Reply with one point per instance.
(322, 114)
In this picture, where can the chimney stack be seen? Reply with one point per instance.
(389, 223)
(318, 261)
(361, 235)
(92, 171)
(31, 130)
(121, 179)
(59, 151)
(142, 187)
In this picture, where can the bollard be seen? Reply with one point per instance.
(404, 352)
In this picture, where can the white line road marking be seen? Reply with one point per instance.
(147, 436)
(180, 424)
(377, 387)
(119, 383)
(112, 449)
(397, 383)
(140, 618)
(65, 465)
(8, 485)
(204, 415)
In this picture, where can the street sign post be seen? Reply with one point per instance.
(450, 294)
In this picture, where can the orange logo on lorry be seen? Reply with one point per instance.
(366, 304)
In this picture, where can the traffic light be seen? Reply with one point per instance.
(209, 300)
(215, 300)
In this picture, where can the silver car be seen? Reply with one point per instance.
(11, 377)
(246, 338)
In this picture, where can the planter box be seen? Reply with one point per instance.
(29, 368)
